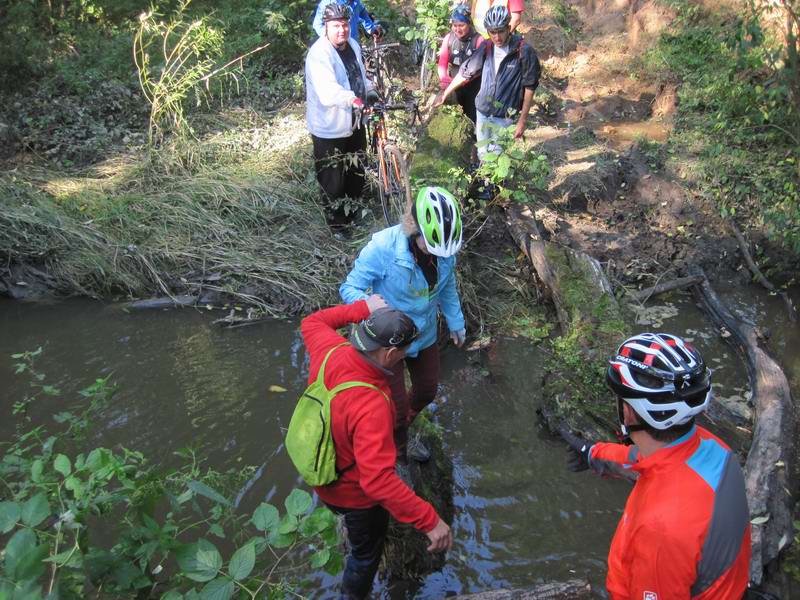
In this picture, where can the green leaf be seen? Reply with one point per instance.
(336, 563)
(266, 517)
(9, 515)
(35, 510)
(172, 595)
(200, 488)
(219, 589)
(50, 390)
(18, 546)
(280, 540)
(216, 529)
(289, 524)
(75, 485)
(298, 502)
(31, 565)
(200, 561)
(37, 468)
(316, 522)
(321, 558)
(62, 465)
(242, 562)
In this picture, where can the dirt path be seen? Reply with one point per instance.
(610, 198)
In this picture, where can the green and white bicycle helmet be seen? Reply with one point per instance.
(438, 216)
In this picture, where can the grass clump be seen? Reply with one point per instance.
(232, 214)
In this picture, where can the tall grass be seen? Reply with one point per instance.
(244, 220)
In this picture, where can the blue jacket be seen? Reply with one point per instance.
(360, 16)
(386, 266)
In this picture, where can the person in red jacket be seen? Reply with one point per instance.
(362, 424)
(685, 532)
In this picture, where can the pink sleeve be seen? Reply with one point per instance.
(444, 59)
(516, 6)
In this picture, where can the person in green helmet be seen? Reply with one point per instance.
(412, 267)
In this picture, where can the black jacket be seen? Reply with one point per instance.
(502, 94)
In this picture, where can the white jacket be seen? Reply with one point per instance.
(329, 99)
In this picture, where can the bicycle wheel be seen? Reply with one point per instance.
(393, 187)
(426, 67)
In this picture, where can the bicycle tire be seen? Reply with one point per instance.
(425, 70)
(394, 189)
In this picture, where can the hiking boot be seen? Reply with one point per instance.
(417, 451)
(404, 472)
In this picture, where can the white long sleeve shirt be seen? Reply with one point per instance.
(329, 98)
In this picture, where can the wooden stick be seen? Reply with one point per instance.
(758, 275)
(768, 470)
(676, 284)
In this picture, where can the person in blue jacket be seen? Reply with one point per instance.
(412, 267)
(360, 16)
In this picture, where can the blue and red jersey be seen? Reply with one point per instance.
(685, 532)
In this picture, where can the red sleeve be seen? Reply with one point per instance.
(319, 329)
(444, 59)
(615, 453)
(375, 453)
(516, 6)
(660, 563)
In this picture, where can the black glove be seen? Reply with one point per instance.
(380, 29)
(373, 97)
(579, 450)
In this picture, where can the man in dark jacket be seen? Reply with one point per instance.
(509, 70)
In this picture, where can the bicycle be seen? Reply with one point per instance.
(377, 67)
(424, 54)
(389, 167)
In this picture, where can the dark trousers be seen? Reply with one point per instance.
(465, 96)
(339, 164)
(366, 532)
(424, 372)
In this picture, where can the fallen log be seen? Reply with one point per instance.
(591, 326)
(164, 302)
(573, 589)
(662, 288)
(758, 275)
(768, 477)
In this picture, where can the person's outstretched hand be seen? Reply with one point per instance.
(580, 451)
(441, 537)
(438, 100)
(375, 302)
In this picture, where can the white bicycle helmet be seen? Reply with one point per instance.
(662, 378)
(438, 217)
(496, 17)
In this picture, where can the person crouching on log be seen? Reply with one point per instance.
(412, 266)
(367, 489)
(685, 532)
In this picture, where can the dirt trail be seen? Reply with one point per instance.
(607, 197)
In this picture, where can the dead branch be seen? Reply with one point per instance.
(758, 275)
(768, 478)
(676, 284)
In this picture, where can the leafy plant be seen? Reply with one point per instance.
(56, 499)
(432, 20)
(512, 168)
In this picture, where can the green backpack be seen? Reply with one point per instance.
(309, 441)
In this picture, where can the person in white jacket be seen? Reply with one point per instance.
(336, 90)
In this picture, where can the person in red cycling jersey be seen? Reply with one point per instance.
(685, 531)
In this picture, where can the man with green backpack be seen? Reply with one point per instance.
(341, 436)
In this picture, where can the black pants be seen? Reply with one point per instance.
(366, 532)
(465, 96)
(338, 174)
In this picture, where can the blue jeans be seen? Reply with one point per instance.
(366, 532)
(486, 128)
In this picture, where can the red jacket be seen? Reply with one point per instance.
(362, 423)
(685, 532)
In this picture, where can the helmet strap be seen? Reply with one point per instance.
(626, 430)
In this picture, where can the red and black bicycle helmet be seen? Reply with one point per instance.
(662, 377)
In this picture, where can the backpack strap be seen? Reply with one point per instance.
(321, 372)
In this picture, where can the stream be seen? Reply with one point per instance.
(521, 517)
